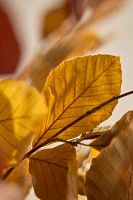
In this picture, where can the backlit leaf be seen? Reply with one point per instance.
(110, 176)
(76, 86)
(54, 173)
(21, 109)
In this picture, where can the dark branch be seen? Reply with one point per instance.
(77, 120)
(49, 140)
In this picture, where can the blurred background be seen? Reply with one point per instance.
(37, 35)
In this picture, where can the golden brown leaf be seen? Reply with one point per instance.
(54, 173)
(106, 136)
(73, 42)
(76, 44)
(82, 41)
(110, 176)
(44, 63)
(56, 17)
(21, 110)
(76, 86)
(81, 182)
(21, 177)
(95, 133)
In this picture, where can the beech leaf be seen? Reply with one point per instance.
(76, 44)
(21, 110)
(56, 17)
(106, 136)
(54, 173)
(110, 175)
(81, 182)
(76, 86)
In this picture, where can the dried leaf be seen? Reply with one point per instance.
(82, 41)
(95, 133)
(73, 42)
(76, 44)
(21, 177)
(81, 182)
(54, 173)
(110, 176)
(44, 63)
(106, 136)
(76, 86)
(56, 17)
(21, 110)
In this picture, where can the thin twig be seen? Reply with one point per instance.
(49, 140)
(77, 120)
(73, 142)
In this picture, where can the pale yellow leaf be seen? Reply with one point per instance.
(54, 173)
(76, 86)
(21, 109)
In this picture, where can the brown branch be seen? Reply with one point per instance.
(49, 140)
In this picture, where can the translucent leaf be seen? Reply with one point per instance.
(54, 173)
(21, 109)
(76, 86)
(110, 176)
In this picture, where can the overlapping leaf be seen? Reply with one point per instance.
(76, 86)
(110, 176)
(107, 135)
(21, 108)
(54, 173)
(76, 44)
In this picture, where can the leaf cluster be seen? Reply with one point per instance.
(78, 95)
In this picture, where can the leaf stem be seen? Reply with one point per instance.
(77, 120)
(49, 140)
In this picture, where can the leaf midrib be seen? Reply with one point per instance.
(73, 102)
